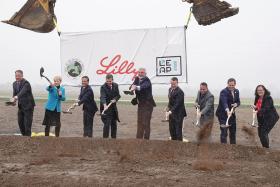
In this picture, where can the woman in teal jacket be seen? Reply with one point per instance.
(53, 106)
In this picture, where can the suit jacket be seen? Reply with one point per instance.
(144, 95)
(87, 100)
(106, 95)
(267, 115)
(206, 103)
(176, 103)
(225, 101)
(54, 100)
(24, 94)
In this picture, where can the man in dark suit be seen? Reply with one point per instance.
(143, 89)
(176, 110)
(86, 99)
(22, 93)
(205, 102)
(229, 98)
(109, 93)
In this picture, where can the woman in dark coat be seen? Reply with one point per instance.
(266, 113)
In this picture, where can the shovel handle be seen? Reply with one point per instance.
(47, 79)
(105, 109)
(231, 112)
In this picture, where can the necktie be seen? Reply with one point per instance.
(171, 92)
(18, 86)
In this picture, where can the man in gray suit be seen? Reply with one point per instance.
(205, 102)
(22, 93)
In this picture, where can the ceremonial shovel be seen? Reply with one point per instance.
(42, 75)
(197, 116)
(254, 124)
(126, 92)
(166, 115)
(10, 103)
(227, 125)
(105, 109)
(68, 111)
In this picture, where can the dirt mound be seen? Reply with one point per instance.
(50, 161)
(208, 165)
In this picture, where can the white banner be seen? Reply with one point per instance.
(161, 51)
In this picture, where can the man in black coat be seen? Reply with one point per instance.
(229, 98)
(143, 89)
(109, 93)
(22, 93)
(86, 99)
(176, 110)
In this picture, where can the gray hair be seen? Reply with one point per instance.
(144, 69)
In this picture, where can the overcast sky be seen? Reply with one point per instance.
(246, 46)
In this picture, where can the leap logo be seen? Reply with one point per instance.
(169, 66)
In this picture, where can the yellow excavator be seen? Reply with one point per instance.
(39, 16)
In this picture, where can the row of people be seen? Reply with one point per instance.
(229, 100)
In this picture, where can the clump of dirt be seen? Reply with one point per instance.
(123, 158)
(204, 161)
(67, 155)
(40, 162)
(208, 165)
(250, 133)
(204, 133)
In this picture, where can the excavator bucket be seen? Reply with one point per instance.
(207, 12)
(35, 15)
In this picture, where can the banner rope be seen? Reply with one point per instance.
(188, 18)
(56, 26)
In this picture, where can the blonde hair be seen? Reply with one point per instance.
(57, 78)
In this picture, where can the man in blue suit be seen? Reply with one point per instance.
(86, 99)
(229, 98)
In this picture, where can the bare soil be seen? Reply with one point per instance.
(75, 161)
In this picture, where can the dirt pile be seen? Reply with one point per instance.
(207, 165)
(69, 161)
(50, 161)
